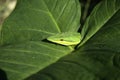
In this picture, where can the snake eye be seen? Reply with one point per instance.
(61, 39)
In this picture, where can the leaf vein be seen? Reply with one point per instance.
(38, 31)
(25, 51)
(53, 19)
(12, 70)
(17, 63)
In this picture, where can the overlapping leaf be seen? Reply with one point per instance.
(99, 17)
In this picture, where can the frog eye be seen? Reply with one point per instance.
(61, 39)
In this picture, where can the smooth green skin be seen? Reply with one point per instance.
(67, 38)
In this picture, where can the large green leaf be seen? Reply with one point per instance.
(98, 59)
(23, 49)
(41, 18)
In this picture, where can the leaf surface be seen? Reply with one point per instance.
(23, 46)
(100, 16)
(97, 59)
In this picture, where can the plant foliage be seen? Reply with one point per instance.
(26, 54)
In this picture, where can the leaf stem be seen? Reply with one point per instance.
(86, 10)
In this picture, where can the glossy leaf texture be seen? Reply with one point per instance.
(97, 59)
(24, 49)
(101, 14)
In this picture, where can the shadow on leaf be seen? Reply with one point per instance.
(3, 75)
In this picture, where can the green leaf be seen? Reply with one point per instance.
(97, 59)
(101, 14)
(42, 18)
(24, 50)
(26, 58)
